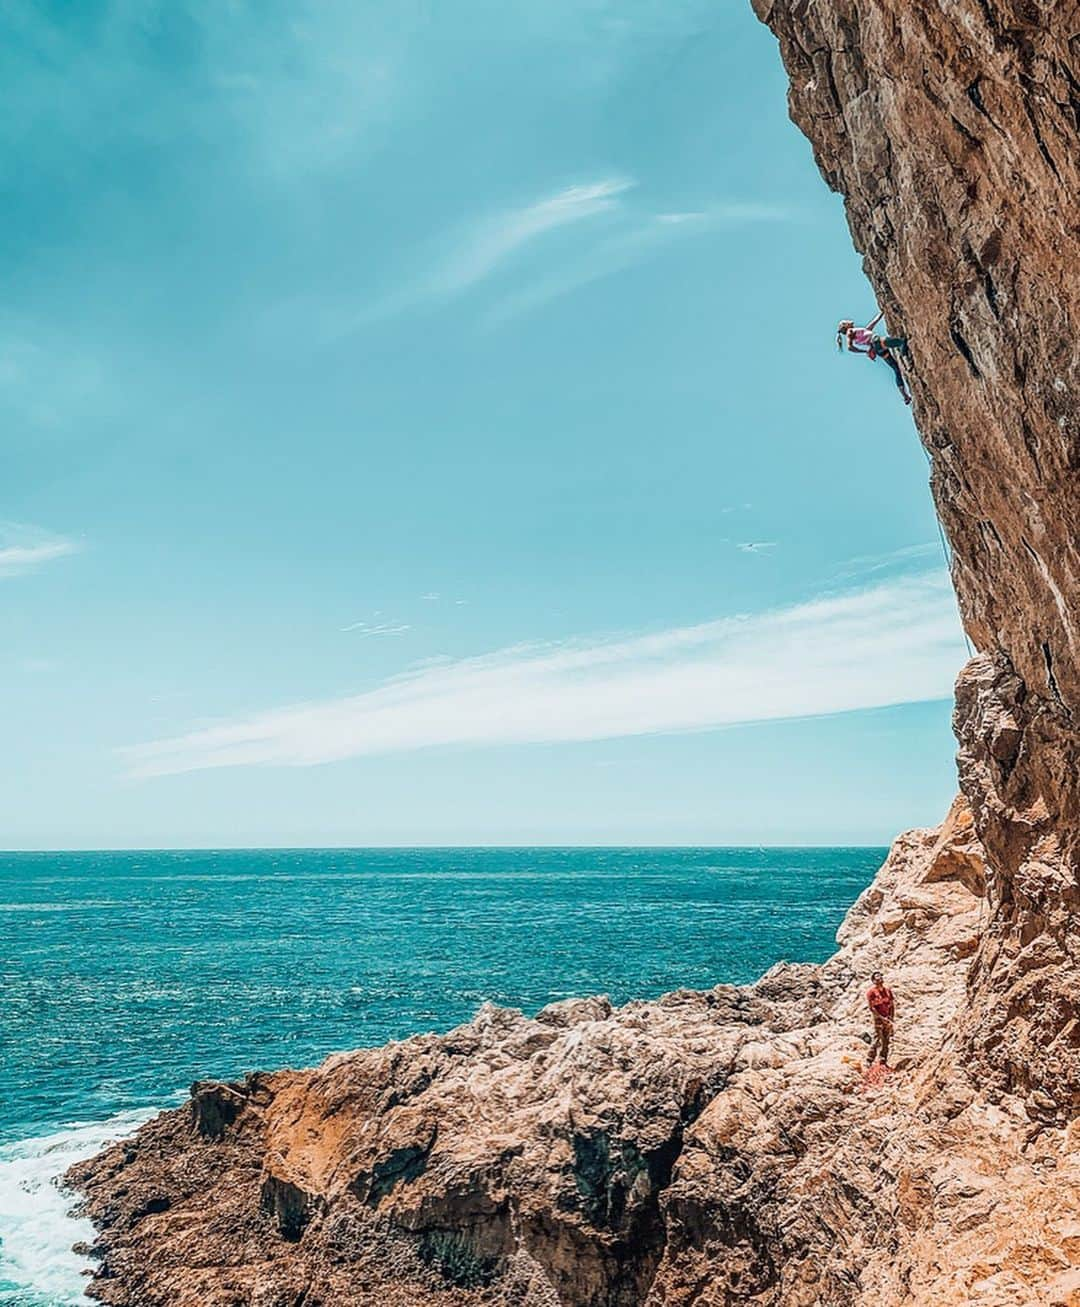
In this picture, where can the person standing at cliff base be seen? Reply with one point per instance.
(861, 340)
(882, 1006)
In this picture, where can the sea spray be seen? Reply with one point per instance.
(37, 1263)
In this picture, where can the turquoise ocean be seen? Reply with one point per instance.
(128, 975)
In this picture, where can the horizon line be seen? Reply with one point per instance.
(425, 848)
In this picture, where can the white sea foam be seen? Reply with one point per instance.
(37, 1265)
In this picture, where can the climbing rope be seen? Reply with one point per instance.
(946, 552)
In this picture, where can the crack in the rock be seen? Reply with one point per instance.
(974, 94)
(990, 290)
(1031, 443)
(1051, 680)
(964, 131)
(964, 348)
(1043, 150)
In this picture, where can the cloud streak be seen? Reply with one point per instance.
(507, 248)
(23, 551)
(487, 245)
(377, 628)
(897, 642)
(494, 241)
(639, 237)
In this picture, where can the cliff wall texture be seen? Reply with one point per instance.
(727, 1147)
(951, 129)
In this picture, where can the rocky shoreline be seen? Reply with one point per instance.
(712, 1147)
(588, 1155)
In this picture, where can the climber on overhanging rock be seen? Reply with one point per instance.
(861, 340)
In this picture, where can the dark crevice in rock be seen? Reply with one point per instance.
(1043, 150)
(1048, 658)
(974, 94)
(988, 528)
(1074, 94)
(964, 348)
(990, 291)
(965, 132)
(1031, 443)
(151, 1207)
(988, 285)
(620, 1188)
(457, 1259)
(215, 1106)
(401, 1166)
(291, 1207)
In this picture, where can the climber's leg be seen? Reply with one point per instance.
(893, 363)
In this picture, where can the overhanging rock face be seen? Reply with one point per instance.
(951, 128)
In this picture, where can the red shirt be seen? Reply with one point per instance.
(880, 1000)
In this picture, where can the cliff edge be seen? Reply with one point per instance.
(951, 129)
(726, 1147)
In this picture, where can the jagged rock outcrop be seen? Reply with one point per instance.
(705, 1148)
(722, 1147)
(952, 129)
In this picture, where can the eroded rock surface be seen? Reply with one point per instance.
(951, 128)
(705, 1148)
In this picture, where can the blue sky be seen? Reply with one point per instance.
(423, 424)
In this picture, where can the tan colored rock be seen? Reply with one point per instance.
(951, 129)
(705, 1148)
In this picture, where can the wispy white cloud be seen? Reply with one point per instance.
(506, 247)
(489, 243)
(866, 565)
(897, 642)
(378, 628)
(639, 236)
(25, 549)
(493, 241)
(728, 211)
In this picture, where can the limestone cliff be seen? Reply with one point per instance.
(724, 1147)
(951, 128)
